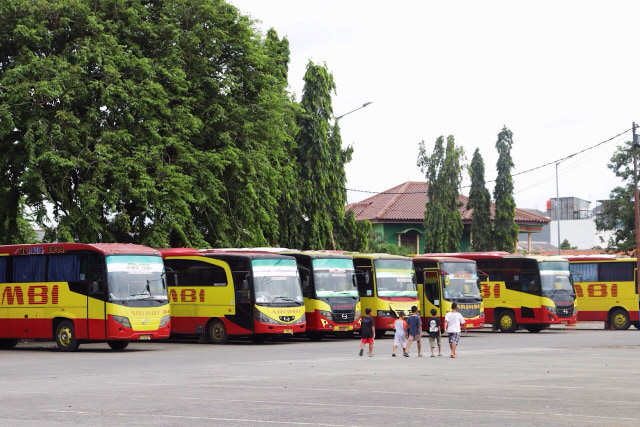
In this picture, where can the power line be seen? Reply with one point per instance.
(516, 174)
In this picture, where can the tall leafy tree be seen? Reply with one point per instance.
(480, 202)
(505, 228)
(618, 213)
(443, 171)
(321, 161)
(158, 122)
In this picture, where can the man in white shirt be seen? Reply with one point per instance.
(452, 322)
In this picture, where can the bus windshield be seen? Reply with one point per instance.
(135, 277)
(463, 279)
(394, 278)
(276, 281)
(333, 277)
(555, 277)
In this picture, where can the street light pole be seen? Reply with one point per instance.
(635, 143)
(359, 108)
(558, 209)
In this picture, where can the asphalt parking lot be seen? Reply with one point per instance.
(573, 376)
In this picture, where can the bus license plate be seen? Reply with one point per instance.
(144, 337)
(287, 331)
(343, 329)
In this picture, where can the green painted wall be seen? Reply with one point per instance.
(390, 231)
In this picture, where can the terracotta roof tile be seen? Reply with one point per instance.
(406, 203)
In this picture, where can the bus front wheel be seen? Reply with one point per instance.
(118, 345)
(620, 319)
(507, 321)
(217, 332)
(535, 328)
(66, 336)
(7, 344)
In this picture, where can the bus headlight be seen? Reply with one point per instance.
(386, 313)
(164, 321)
(357, 315)
(263, 318)
(326, 314)
(302, 319)
(124, 321)
(550, 309)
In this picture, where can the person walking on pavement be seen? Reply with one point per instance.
(367, 332)
(414, 330)
(452, 322)
(400, 338)
(434, 332)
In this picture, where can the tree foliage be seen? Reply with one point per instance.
(505, 228)
(321, 164)
(443, 171)
(618, 213)
(480, 202)
(163, 123)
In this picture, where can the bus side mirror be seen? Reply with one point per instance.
(354, 281)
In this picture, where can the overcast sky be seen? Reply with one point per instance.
(562, 75)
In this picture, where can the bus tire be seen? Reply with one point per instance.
(507, 321)
(217, 332)
(620, 319)
(118, 345)
(66, 336)
(314, 336)
(258, 338)
(7, 344)
(535, 328)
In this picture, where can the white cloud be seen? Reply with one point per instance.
(561, 75)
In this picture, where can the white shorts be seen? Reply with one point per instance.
(400, 341)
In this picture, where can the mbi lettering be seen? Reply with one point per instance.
(186, 295)
(35, 295)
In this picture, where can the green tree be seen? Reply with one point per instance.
(164, 123)
(618, 213)
(480, 202)
(443, 170)
(321, 161)
(505, 228)
(566, 245)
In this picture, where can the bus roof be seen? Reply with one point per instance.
(319, 255)
(597, 257)
(496, 255)
(253, 253)
(61, 248)
(440, 258)
(376, 256)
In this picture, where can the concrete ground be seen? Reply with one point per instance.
(574, 376)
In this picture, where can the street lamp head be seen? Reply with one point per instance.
(349, 112)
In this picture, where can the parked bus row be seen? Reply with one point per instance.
(75, 293)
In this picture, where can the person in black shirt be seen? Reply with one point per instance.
(367, 332)
(434, 329)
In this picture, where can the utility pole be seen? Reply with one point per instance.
(634, 126)
(558, 209)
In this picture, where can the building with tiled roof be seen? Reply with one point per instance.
(398, 216)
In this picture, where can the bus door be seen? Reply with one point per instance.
(96, 297)
(432, 292)
(242, 280)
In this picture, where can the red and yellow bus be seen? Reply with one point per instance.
(331, 298)
(445, 280)
(76, 293)
(531, 292)
(222, 293)
(387, 285)
(606, 288)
